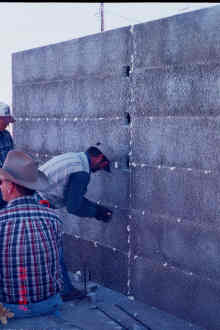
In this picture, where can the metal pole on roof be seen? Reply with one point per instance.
(102, 16)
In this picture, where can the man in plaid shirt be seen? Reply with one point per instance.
(6, 142)
(30, 241)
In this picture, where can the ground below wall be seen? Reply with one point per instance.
(109, 311)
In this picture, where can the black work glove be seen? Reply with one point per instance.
(103, 213)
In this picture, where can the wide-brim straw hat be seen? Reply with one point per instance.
(21, 169)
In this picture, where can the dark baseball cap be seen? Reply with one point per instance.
(103, 161)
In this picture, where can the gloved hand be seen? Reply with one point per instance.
(103, 213)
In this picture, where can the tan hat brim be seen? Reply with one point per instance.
(41, 184)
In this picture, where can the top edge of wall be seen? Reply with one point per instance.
(187, 38)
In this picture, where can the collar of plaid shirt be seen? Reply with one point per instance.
(30, 239)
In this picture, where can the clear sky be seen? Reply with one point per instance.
(29, 25)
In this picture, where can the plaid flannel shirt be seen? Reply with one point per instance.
(30, 241)
(6, 144)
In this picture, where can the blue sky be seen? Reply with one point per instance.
(29, 25)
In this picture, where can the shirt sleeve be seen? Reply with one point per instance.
(74, 192)
(6, 144)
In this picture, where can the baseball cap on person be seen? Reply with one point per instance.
(102, 161)
(5, 112)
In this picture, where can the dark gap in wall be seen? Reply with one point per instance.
(127, 162)
(128, 118)
(127, 69)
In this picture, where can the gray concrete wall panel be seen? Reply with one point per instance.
(83, 98)
(188, 296)
(98, 232)
(187, 142)
(182, 39)
(71, 223)
(163, 286)
(99, 97)
(107, 266)
(96, 54)
(147, 231)
(32, 141)
(173, 91)
(191, 247)
(186, 194)
(112, 134)
(106, 235)
(29, 101)
(205, 310)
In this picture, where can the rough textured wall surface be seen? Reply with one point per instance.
(150, 92)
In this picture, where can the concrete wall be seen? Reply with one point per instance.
(163, 244)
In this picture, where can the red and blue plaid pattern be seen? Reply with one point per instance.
(30, 239)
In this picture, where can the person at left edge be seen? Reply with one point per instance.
(6, 141)
(30, 240)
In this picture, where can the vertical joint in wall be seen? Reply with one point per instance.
(131, 106)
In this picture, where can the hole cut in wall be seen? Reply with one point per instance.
(127, 118)
(127, 70)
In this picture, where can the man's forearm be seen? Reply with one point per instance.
(87, 209)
